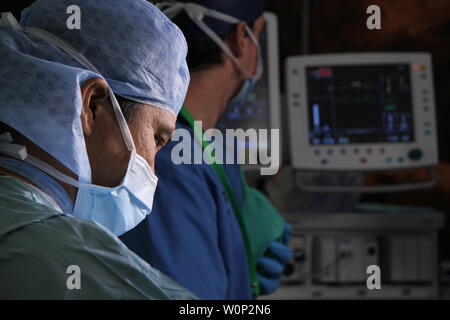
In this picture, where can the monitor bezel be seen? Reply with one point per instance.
(357, 156)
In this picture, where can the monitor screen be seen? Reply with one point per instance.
(359, 104)
(255, 113)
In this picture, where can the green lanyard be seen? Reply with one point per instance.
(198, 133)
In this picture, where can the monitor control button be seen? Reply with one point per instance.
(415, 154)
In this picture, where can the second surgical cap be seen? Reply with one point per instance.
(247, 10)
(135, 47)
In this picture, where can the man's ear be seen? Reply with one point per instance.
(94, 94)
(238, 40)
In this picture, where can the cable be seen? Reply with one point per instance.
(328, 266)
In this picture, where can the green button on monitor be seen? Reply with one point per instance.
(415, 154)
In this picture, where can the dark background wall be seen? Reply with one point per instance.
(14, 6)
(340, 26)
(406, 25)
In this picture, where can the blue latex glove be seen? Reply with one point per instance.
(271, 265)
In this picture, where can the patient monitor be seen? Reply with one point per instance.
(354, 113)
(363, 111)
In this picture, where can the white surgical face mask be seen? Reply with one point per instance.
(197, 12)
(121, 208)
(118, 209)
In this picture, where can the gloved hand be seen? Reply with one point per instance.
(270, 266)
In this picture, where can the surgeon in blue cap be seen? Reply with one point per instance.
(198, 238)
(82, 114)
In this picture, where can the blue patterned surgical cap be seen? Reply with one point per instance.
(136, 48)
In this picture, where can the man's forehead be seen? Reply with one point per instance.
(162, 119)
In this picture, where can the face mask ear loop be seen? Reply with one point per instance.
(259, 65)
(126, 134)
(224, 17)
(214, 37)
(51, 171)
(170, 9)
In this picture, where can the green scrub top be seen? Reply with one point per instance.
(38, 246)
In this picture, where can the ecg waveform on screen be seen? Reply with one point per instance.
(352, 104)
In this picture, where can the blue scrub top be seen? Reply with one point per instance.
(192, 234)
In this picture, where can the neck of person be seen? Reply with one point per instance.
(209, 93)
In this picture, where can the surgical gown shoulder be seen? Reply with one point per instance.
(48, 255)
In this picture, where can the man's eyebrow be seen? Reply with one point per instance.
(165, 129)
